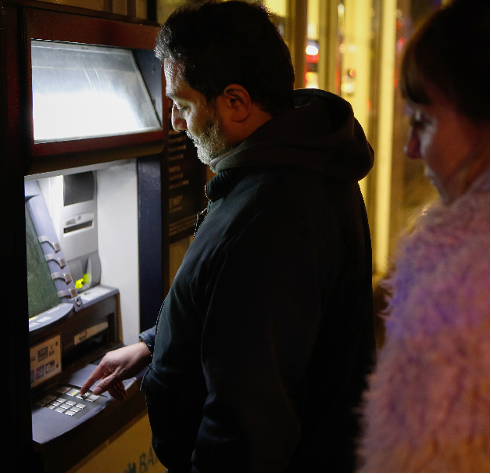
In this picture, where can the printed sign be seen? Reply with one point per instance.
(131, 451)
(186, 185)
(45, 360)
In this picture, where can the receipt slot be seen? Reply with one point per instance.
(84, 192)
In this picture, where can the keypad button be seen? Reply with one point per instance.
(88, 397)
(64, 400)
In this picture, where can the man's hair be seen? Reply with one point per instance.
(233, 42)
(451, 51)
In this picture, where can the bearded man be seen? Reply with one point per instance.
(262, 345)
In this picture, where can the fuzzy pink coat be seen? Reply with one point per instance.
(427, 408)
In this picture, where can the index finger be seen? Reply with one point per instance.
(96, 375)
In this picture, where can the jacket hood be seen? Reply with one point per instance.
(320, 134)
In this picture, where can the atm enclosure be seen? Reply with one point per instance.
(72, 200)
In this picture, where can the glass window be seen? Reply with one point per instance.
(366, 39)
(82, 91)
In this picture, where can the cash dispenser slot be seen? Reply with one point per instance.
(74, 227)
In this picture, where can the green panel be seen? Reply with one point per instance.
(42, 293)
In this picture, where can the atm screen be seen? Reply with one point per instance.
(42, 293)
(82, 91)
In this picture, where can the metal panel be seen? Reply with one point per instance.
(153, 261)
(64, 27)
(16, 448)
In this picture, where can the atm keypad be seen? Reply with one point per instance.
(69, 401)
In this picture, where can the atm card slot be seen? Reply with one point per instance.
(73, 228)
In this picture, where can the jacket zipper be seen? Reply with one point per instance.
(200, 218)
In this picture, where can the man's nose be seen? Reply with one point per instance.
(178, 123)
(412, 148)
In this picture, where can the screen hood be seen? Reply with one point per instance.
(83, 91)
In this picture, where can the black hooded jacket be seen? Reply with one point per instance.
(263, 343)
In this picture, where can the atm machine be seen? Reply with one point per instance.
(84, 191)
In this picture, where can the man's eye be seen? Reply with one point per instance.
(180, 109)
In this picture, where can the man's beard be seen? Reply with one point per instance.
(211, 142)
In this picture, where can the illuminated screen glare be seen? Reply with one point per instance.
(82, 91)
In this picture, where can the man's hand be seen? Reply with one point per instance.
(116, 366)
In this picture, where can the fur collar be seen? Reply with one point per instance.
(440, 263)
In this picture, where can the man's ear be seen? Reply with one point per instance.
(236, 102)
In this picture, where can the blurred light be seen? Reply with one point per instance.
(348, 87)
(312, 50)
(400, 44)
(311, 80)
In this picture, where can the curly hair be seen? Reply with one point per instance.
(233, 42)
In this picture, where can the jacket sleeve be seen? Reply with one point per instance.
(265, 300)
(148, 337)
